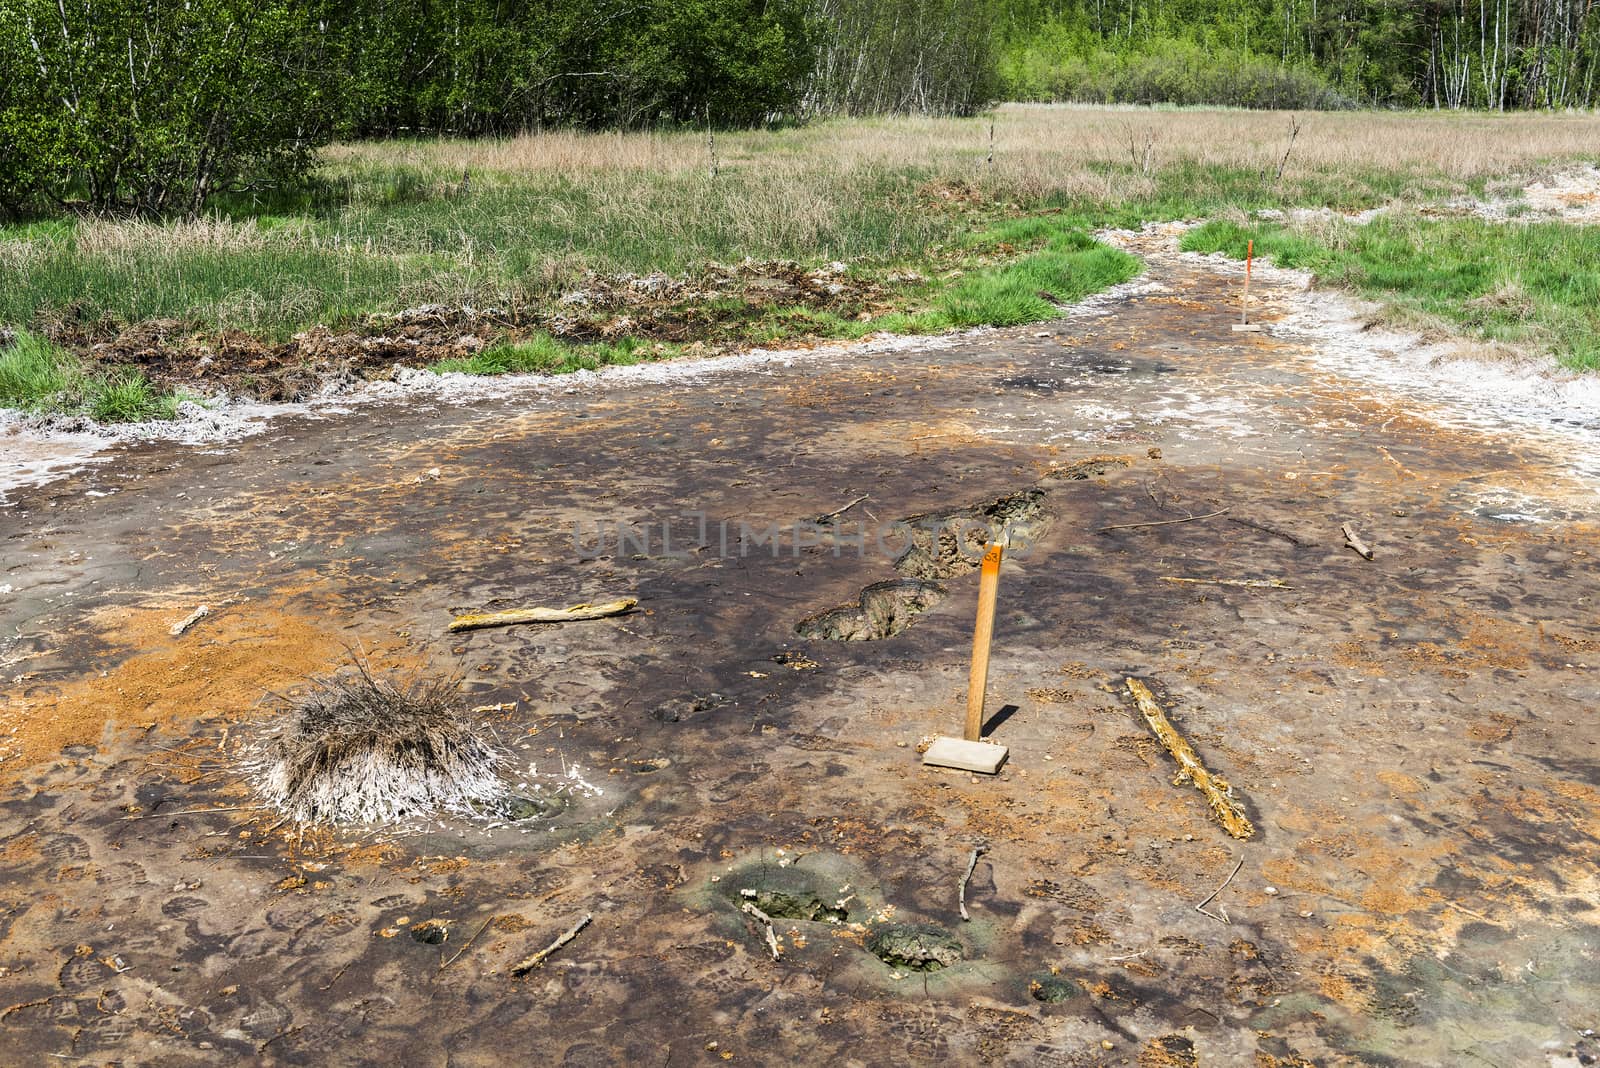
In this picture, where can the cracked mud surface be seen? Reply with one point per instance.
(1412, 736)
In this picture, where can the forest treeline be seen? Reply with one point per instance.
(154, 106)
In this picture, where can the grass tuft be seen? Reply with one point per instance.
(34, 373)
(38, 376)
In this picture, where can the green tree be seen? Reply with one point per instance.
(151, 106)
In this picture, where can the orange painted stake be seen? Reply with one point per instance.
(1244, 305)
(978, 681)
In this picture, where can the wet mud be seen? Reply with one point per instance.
(1414, 735)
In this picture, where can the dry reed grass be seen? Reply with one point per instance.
(1068, 143)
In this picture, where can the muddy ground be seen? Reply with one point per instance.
(1413, 736)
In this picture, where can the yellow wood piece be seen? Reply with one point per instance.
(1218, 793)
(542, 615)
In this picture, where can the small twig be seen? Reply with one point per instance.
(528, 964)
(961, 888)
(336, 975)
(1130, 956)
(1201, 908)
(1352, 539)
(1265, 529)
(1161, 522)
(191, 812)
(1253, 584)
(1294, 131)
(467, 944)
(772, 936)
(837, 512)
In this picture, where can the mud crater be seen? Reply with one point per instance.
(939, 545)
(918, 947)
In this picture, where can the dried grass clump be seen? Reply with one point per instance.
(366, 749)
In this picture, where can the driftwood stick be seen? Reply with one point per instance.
(1201, 908)
(837, 512)
(1352, 539)
(751, 908)
(1161, 522)
(1218, 793)
(542, 615)
(529, 963)
(961, 888)
(189, 620)
(1252, 584)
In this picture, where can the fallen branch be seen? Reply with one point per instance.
(188, 621)
(1218, 793)
(837, 512)
(542, 615)
(528, 964)
(1352, 539)
(772, 935)
(1162, 522)
(1253, 584)
(1265, 529)
(1201, 908)
(961, 888)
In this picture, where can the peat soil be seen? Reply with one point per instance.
(1413, 736)
(710, 309)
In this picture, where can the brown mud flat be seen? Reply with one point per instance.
(1413, 736)
(707, 309)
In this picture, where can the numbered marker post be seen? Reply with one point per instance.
(971, 752)
(982, 636)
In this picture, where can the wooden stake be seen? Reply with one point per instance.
(978, 681)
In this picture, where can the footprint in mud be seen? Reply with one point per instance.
(63, 849)
(737, 785)
(81, 973)
(103, 1032)
(884, 610)
(940, 545)
(184, 907)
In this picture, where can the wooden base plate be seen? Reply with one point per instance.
(982, 757)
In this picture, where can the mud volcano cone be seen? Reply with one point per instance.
(364, 749)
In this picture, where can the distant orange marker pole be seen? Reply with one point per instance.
(1249, 259)
(1244, 322)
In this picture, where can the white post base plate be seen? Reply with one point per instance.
(982, 757)
(1242, 328)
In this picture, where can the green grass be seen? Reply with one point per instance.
(37, 376)
(544, 354)
(1527, 284)
(34, 373)
(1070, 266)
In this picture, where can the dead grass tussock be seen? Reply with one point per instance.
(363, 748)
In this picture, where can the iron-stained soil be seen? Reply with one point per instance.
(1412, 736)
